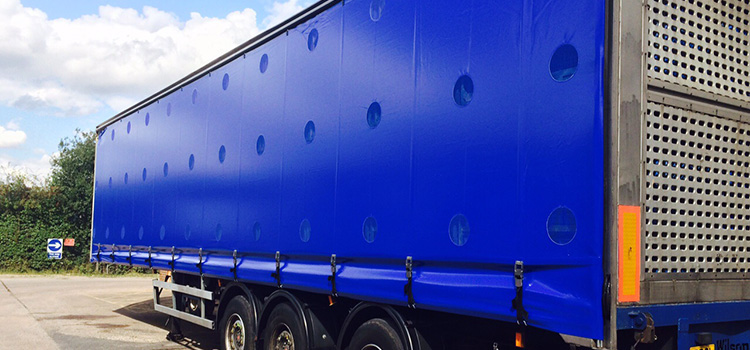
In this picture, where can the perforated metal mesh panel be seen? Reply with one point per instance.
(697, 212)
(701, 44)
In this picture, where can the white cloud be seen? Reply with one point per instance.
(13, 125)
(35, 169)
(57, 100)
(10, 136)
(279, 11)
(74, 67)
(120, 103)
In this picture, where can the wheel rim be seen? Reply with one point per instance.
(282, 338)
(371, 347)
(235, 333)
(192, 304)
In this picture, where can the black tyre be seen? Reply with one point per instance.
(284, 331)
(375, 334)
(237, 326)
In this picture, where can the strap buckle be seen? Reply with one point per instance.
(408, 288)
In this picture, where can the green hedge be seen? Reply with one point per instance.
(33, 210)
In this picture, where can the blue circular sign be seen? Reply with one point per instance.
(54, 245)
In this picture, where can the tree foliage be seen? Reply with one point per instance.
(60, 207)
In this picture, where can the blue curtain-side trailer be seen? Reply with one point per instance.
(375, 174)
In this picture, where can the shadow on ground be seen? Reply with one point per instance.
(196, 337)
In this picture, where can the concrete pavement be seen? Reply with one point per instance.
(19, 328)
(75, 312)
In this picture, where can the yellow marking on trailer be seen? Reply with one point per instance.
(704, 347)
(629, 254)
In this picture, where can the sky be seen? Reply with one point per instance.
(67, 65)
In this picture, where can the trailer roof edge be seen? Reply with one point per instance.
(238, 51)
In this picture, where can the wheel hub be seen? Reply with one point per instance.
(235, 333)
(284, 340)
(193, 305)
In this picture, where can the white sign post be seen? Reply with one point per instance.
(54, 248)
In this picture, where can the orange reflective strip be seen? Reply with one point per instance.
(519, 340)
(629, 254)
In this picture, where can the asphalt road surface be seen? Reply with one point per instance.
(74, 312)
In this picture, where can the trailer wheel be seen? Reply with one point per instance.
(375, 334)
(237, 330)
(284, 330)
